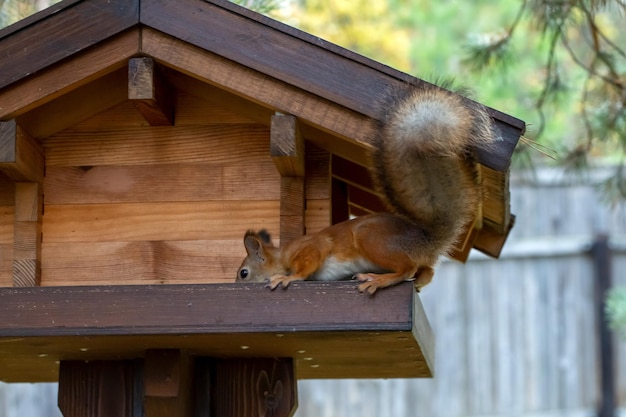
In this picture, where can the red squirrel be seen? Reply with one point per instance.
(423, 165)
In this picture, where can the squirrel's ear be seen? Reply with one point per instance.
(255, 243)
(252, 243)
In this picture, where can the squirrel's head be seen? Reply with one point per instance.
(261, 262)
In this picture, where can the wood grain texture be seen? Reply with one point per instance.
(6, 265)
(234, 36)
(253, 387)
(496, 199)
(287, 150)
(149, 92)
(21, 156)
(7, 222)
(58, 36)
(143, 262)
(80, 69)
(158, 145)
(27, 234)
(292, 208)
(261, 113)
(129, 222)
(330, 329)
(267, 91)
(99, 389)
(78, 104)
(167, 382)
(317, 172)
(190, 110)
(287, 146)
(491, 242)
(162, 183)
(317, 215)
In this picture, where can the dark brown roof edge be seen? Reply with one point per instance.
(52, 35)
(36, 17)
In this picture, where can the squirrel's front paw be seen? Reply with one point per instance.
(369, 283)
(277, 280)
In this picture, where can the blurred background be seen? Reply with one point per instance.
(541, 331)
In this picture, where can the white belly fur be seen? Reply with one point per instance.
(335, 270)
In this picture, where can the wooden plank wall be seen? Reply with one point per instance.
(128, 203)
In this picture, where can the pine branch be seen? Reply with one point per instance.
(491, 50)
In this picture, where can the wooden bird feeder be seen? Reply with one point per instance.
(139, 140)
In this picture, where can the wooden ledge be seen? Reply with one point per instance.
(330, 329)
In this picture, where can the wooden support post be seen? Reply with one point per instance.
(100, 389)
(151, 94)
(287, 146)
(245, 387)
(170, 384)
(287, 151)
(27, 234)
(167, 383)
(22, 160)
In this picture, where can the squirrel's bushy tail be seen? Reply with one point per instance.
(423, 162)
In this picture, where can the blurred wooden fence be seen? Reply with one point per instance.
(515, 336)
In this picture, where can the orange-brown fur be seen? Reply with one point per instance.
(423, 166)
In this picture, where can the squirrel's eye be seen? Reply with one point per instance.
(243, 273)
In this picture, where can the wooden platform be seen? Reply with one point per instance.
(330, 329)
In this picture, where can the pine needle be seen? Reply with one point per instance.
(538, 147)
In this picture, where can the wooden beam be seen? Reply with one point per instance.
(150, 93)
(292, 208)
(330, 329)
(167, 383)
(69, 74)
(266, 98)
(99, 389)
(287, 146)
(354, 128)
(76, 105)
(287, 151)
(21, 156)
(490, 241)
(351, 173)
(465, 243)
(27, 234)
(243, 387)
